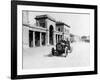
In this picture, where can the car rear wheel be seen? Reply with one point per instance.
(59, 47)
(70, 50)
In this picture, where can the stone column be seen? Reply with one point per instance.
(63, 35)
(40, 39)
(57, 38)
(33, 38)
(47, 37)
(54, 38)
(27, 38)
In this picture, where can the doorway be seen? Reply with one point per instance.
(37, 39)
(51, 33)
(30, 38)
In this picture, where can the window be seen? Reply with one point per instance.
(42, 23)
(58, 29)
(66, 31)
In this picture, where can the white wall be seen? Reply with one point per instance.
(25, 38)
(25, 17)
(5, 41)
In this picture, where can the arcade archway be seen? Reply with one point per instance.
(51, 33)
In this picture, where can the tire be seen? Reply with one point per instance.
(59, 47)
(53, 51)
(66, 52)
(70, 50)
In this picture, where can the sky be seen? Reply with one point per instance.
(79, 23)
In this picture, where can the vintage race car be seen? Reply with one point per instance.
(62, 48)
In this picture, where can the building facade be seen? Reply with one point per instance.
(46, 31)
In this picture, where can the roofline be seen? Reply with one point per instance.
(44, 17)
(50, 18)
(62, 23)
(67, 25)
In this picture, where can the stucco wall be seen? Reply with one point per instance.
(66, 32)
(25, 37)
(25, 17)
(61, 28)
(49, 22)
